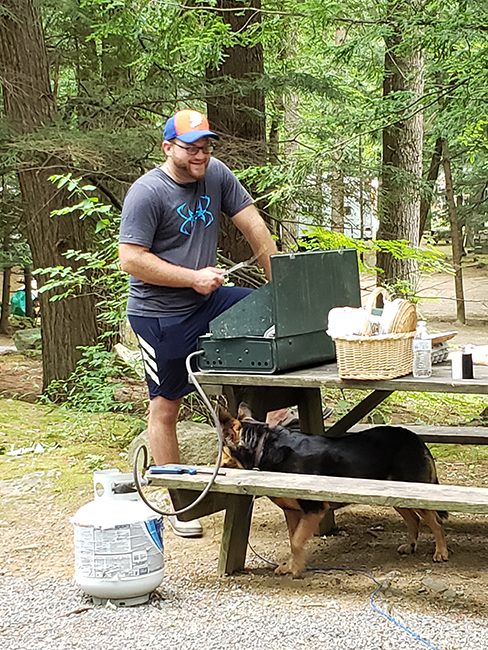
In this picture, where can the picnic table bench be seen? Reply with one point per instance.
(234, 491)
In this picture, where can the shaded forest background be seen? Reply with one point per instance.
(323, 108)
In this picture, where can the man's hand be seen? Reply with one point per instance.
(208, 279)
(144, 265)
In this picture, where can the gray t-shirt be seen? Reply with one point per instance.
(178, 222)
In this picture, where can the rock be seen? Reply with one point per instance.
(198, 443)
(129, 339)
(141, 439)
(394, 591)
(434, 585)
(376, 417)
(28, 339)
(132, 359)
(26, 483)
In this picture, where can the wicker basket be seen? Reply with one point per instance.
(384, 356)
(375, 357)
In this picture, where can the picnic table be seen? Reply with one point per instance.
(234, 490)
(302, 388)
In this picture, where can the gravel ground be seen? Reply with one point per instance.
(55, 614)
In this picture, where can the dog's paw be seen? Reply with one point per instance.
(282, 569)
(407, 549)
(287, 568)
(441, 556)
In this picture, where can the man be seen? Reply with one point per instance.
(168, 244)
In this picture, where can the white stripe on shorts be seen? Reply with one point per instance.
(145, 346)
(150, 361)
(149, 358)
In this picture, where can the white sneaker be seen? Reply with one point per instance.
(185, 528)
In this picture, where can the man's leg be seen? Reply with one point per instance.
(161, 426)
(158, 338)
(165, 344)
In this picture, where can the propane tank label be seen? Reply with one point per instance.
(125, 551)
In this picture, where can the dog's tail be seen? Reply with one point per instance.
(442, 514)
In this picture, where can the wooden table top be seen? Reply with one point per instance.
(325, 376)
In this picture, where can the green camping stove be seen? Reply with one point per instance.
(282, 325)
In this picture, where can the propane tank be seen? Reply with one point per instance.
(118, 543)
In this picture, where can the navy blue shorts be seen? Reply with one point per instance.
(166, 342)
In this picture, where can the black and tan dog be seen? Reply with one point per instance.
(383, 453)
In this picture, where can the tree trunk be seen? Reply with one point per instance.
(285, 110)
(337, 188)
(5, 300)
(399, 204)
(426, 199)
(29, 307)
(337, 194)
(5, 307)
(455, 235)
(29, 107)
(236, 110)
(287, 227)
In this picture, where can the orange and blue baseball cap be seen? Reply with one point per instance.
(188, 126)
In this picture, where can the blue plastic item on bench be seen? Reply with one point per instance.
(172, 469)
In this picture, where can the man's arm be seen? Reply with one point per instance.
(255, 230)
(145, 266)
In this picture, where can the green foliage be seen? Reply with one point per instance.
(470, 455)
(119, 68)
(13, 246)
(194, 408)
(75, 444)
(449, 409)
(99, 269)
(93, 385)
(429, 259)
(96, 462)
(320, 238)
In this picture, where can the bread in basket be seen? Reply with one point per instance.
(379, 356)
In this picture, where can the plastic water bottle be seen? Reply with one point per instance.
(422, 351)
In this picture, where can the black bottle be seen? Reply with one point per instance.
(467, 364)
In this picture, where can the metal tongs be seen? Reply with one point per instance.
(241, 265)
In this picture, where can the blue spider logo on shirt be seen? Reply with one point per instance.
(190, 218)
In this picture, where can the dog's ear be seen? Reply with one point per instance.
(230, 431)
(244, 411)
(224, 416)
(230, 427)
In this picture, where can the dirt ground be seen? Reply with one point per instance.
(36, 537)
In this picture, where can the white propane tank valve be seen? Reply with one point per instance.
(118, 543)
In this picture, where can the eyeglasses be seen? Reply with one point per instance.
(192, 150)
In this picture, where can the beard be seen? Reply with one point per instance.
(193, 171)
